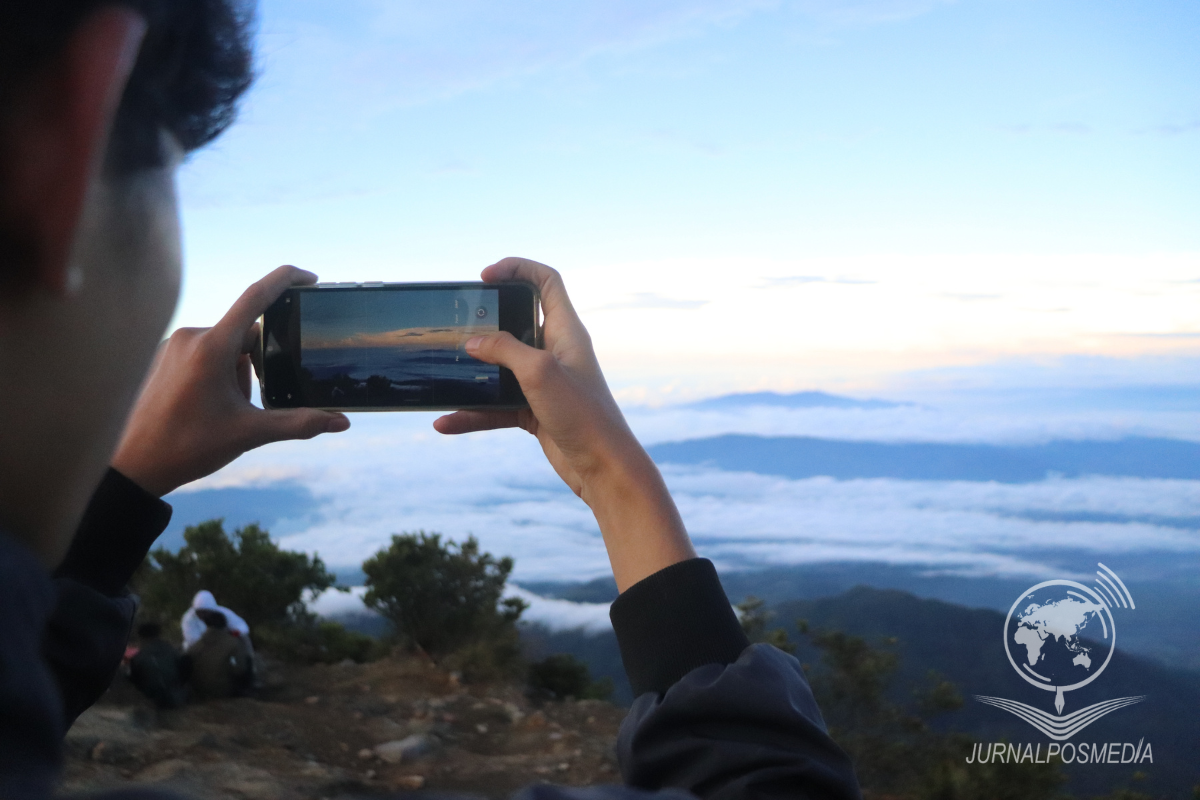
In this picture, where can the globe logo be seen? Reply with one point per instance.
(1059, 636)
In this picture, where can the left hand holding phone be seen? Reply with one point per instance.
(194, 413)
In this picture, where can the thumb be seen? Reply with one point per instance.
(503, 348)
(298, 423)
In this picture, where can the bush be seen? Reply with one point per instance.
(442, 596)
(562, 675)
(249, 574)
(754, 616)
(895, 749)
(315, 641)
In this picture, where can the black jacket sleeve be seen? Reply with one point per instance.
(715, 716)
(89, 627)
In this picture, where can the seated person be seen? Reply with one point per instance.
(221, 662)
(99, 101)
(158, 670)
(192, 623)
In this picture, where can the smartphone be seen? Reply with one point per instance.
(393, 346)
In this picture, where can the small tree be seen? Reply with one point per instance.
(896, 752)
(754, 616)
(249, 574)
(441, 596)
(562, 675)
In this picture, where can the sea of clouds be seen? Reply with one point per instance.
(392, 473)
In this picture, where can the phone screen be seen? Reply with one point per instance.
(372, 348)
(393, 346)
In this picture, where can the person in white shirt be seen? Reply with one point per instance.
(194, 627)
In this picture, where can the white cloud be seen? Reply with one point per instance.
(562, 615)
(391, 473)
(557, 615)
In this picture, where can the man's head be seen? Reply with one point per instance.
(99, 100)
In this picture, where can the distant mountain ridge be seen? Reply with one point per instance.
(810, 457)
(794, 400)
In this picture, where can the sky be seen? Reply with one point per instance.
(741, 194)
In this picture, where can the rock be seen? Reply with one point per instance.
(382, 729)
(535, 720)
(366, 752)
(408, 748)
(163, 770)
(481, 728)
(312, 701)
(412, 782)
(247, 781)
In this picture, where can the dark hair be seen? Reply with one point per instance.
(194, 64)
(149, 630)
(213, 619)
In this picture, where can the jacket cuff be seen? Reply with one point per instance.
(674, 621)
(118, 528)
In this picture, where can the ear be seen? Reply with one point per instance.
(58, 135)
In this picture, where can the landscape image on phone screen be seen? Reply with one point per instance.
(394, 348)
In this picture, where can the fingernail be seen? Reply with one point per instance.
(473, 343)
(337, 425)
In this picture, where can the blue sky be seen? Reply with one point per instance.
(742, 194)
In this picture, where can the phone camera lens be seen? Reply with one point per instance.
(481, 312)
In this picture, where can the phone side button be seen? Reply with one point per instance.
(371, 284)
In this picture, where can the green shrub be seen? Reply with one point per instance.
(313, 641)
(754, 616)
(442, 596)
(249, 574)
(262, 583)
(562, 675)
(895, 749)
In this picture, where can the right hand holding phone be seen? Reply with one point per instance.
(581, 430)
(194, 414)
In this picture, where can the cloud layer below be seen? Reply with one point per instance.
(391, 473)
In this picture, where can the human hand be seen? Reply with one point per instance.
(581, 430)
(194, 413)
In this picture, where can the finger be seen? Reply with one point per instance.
(471, 421)
(504, 349)
(256, 299)
(252, 346)
(547, 280)
(252, 340)
(243, 375)
(296, 423)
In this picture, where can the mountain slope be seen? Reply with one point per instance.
(808, 457)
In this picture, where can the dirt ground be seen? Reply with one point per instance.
(324, 732)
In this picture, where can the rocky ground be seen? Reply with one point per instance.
(343, 731)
